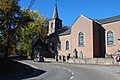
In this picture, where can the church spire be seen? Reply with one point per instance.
(55, 23)
(55, 14)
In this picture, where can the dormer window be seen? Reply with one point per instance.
(59, 45)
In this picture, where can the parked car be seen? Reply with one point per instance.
(39, 59)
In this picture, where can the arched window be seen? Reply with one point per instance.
(51, 24)
(67, 45)
(81, 39)
(59, 46)
(110, 38)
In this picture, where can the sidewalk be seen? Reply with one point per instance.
(13, 70)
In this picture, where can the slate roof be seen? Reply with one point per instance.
(108, 20)
(64, 31)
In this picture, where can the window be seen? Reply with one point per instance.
(110, 38)
(81, 39)
(51, 24)
(51, 31)
(53, 46)
(0, 33)
(67, 45)
(59, 45)
(58, 25)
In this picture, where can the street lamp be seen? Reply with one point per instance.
(119, 45)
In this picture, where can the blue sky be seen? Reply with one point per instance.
(69, 10)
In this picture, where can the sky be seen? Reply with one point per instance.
(69, 10)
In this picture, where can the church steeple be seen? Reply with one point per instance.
(55, 23)
(55, 14)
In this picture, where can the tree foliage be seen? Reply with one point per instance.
(20, 29)
(35, 30)
(12, 20)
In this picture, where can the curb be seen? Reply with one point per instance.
(34, 71)
(28, 64)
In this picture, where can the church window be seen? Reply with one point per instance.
(59, 25)
(110, 38)
(51, 24)
(81, 39)
(53, 46)
(67, 45)
(59, 46)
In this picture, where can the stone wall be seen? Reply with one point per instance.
(104, 61)
(94, 61)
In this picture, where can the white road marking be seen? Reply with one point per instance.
(72, 73)
(71, 77)
(69, 70)
(64, 68)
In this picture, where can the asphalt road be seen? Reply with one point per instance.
(61, 71)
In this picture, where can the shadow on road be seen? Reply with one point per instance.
(12, 70)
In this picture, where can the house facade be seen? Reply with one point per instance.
(85, 38)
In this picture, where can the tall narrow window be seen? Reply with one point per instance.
(59, 45)
(58, 25)
(51, 24)
(81, 39)
(67, 45)
(110, 38)
(53, 46)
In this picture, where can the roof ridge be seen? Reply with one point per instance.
(109, 17)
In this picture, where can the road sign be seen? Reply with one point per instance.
(116, 58)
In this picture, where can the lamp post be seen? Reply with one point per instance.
(119, 45)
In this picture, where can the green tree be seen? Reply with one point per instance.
(35, 30)
(12, 20)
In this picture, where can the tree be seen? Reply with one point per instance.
(35, 30)
(12, 20)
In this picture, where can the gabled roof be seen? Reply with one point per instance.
(109, 20)
(63, 31)
(81, 16)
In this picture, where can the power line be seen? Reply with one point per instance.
(31, 4)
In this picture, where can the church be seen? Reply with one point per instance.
(85, 38)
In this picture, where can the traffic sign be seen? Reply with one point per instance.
(116, 58)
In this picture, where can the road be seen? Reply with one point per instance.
(61, 71)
